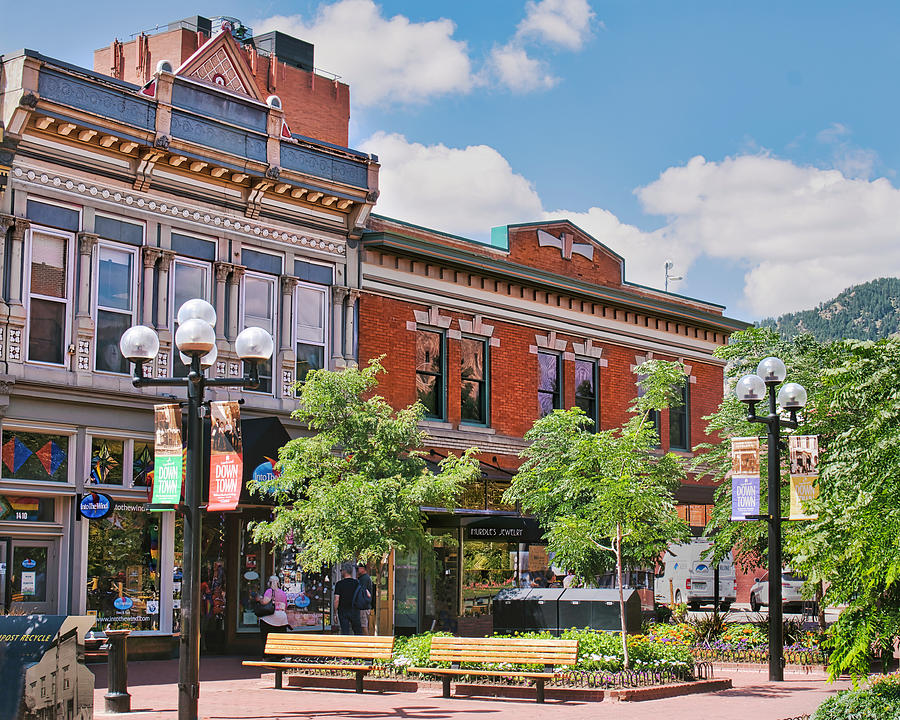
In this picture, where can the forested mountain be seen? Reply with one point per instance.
(864, 312)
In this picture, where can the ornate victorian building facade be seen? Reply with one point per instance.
(122, 201)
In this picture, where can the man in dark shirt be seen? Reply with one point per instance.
(365, 580)
(348, 616)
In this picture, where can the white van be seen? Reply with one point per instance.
(685, 576)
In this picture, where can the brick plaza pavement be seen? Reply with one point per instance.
(230, 691)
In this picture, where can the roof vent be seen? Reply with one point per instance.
(164, 66)
(273, 101)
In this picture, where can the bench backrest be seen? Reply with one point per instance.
(368, 647)
(520, 651)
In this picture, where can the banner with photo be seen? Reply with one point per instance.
(744, 477)
(167, 457)
(804, 474)
(226, 465)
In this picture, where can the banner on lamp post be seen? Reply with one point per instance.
(804, 451)
(168, 469)
(744, 477)
(226, 466)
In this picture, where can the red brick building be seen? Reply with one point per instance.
(491, 336)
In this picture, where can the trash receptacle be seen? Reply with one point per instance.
(598, 608)
(509, 610)
(541, 609)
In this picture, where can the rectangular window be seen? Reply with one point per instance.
(587, 389)
(679, 420)
(473, 380)
(430, 389)
(310, 327)
(189, 280)
(35, 456)
(115, 293)
(107, 461)
(259, 311)
(49, 292)
(549, 383)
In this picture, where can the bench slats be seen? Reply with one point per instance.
(310, 666)
(492, 673)
(520, 651)
(350, 646)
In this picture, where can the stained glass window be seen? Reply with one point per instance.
(35, 456)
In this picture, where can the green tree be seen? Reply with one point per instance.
(853, 546)
(606, 498)
(356, 486)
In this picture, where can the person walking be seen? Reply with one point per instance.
(365, 582)
(344, 590)
(278, 620)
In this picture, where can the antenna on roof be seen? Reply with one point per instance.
(669, 266)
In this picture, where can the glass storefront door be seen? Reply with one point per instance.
(32, 569)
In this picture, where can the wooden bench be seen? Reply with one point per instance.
(516, 651)
(365, 649)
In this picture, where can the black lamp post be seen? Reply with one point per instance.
(196, 340)
(751, 389)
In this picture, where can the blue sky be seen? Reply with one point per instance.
(753, 143)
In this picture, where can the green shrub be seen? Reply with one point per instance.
(880, 701)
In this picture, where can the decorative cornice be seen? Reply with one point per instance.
(142, 201)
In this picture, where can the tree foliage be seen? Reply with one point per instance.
(606, 498)
(356, 486)
(853, 547)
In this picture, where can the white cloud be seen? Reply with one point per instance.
(384, 59)
(512, 66)
(852, 161)
(457, 190)
(807, 233)
(566, 23)
(804, 233)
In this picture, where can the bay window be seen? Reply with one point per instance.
(115, 304)
(259, 311)
(310, 325)
(190, 279)
(49, 295)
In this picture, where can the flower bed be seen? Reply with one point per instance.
(879, 701)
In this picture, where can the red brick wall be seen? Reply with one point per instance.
(604, 269)
(314, 106)
(514, 371)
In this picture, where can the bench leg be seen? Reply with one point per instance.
(360, 674)
(540, 690)
(446, 682)
(278, 672)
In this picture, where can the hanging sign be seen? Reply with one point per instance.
(167, 458)
(226, 466)
(804, 474)
(744, 477)
(95, 506)
(123, 603)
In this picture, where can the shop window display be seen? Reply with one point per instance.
(488, 568)
(18, 508)
(123, 570)
(441, 591)
(308, 593)
(35, 456)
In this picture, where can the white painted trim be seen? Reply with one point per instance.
(274, 298)
(136, 269)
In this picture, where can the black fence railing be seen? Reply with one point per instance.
(760, 655)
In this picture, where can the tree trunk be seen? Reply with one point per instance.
(820, 604)
(621, 593)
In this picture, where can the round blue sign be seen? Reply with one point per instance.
(94, 506)
(123, 603)
(264, 471)
(302, 601)
(28, 563)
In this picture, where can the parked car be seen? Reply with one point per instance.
(685, 576)
(791, 590)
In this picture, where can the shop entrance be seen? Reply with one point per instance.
(31, 569)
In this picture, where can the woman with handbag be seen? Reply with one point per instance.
(271, 610)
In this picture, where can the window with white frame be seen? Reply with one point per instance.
(116, 291)
(190, 279)
(49, 295)
(311, 324)
(259, 311)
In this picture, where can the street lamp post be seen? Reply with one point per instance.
(196, 341)
(751, 389)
